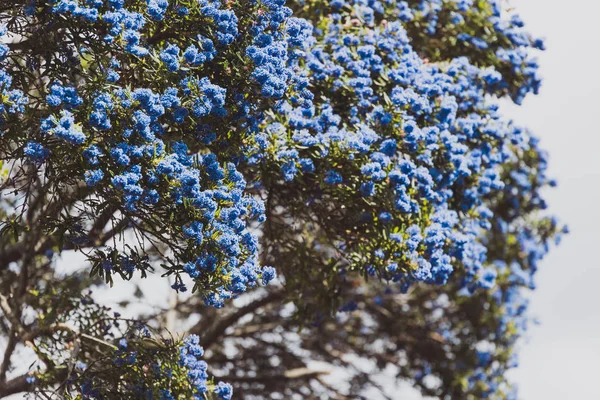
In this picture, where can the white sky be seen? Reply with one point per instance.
(560, 361)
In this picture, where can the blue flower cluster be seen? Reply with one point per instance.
(269, 50)
(73, 7)
(148, 173)
(36, 152)
(523, 239)
(64, 127)
(425, 156)
(190, 355)
(226, 21)
(65, 96)
(12, 101)
(157, 9)
(504, 38)
(167, 152)
(123, 356)
(205, 52)
(209, 98)
(166, 370)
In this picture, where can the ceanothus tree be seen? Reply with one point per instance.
(318, 181)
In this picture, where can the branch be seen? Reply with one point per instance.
(19, 250)
(221, 325)
(10, 348)
(20, 384)
(47, 331)
(13, 386)
(301, 373)
(292, 374)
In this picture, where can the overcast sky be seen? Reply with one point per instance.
(561, 358)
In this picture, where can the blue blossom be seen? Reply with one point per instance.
(170, 56)
(268, 274)
(195, 231)
(488, 278)
(195, 56)
(189, 357)
(112, 75)
(92, 154)
(36, 152)
(92, 177)
(332, 178)
(63, 95)
(210, 99)
(157, 8)
(289, 171)
(224, 391)
(64, 128)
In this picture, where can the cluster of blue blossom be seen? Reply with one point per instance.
(123, 356)
(76, 9)
(134, 140)
(417, 141)
(225, 20)
(151, 373)
(190, 358)
(151, 174)
(531, 237)
(504, 38)
(269, 50)
(517, 238)
(13, 101)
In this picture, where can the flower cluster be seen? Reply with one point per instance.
(418, 142)
(13, 100)
(269, 50)
(35, 152)
(500, 42)
(148, 174)
(367, 123)
(162, 147)
(516, 239)
(190, 358)
(164, 370)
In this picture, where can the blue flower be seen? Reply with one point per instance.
(268, 274)
(36, 152)
(195, 231)
(112, 75)
(224, 391)
(157, 8)
(170, 56)
(64, 128)
(92, 177)
(63, 95)
(332, 178)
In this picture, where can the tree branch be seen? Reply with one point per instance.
(13, 386)
(292, 374)
(221, 325)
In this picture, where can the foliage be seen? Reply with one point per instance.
(355, 147)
